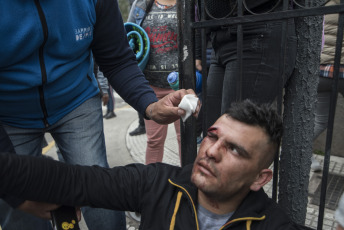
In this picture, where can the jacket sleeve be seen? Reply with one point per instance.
(116, 59)
(46, 180)
(131, 16)
(277, 218)
(6, 147)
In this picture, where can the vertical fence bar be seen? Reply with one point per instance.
(240, 39)
(186, 65)
(332, 111)
(280, 96)
(204, 68)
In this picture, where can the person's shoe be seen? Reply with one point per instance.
(138, 131)
(134, 215)
(315, 166)
(110, 115)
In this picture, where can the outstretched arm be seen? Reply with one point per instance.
(50, 181)
(41, 210)
(118, 63)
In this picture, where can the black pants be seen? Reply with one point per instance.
(262, 66)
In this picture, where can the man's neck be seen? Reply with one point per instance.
(220, 206)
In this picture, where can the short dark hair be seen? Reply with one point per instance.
(262, 115)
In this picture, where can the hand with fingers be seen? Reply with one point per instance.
(105, 99)
(43, 210)
(38, 209)
(166, 110)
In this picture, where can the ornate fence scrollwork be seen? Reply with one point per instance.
(220, 9)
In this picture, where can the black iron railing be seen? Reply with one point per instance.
(238, 15)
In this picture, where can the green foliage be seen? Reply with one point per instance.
(318, 152)
(124, 8)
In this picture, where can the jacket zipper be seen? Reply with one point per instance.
(226, 225)
(41, 61)
(190, 198)
(247, 219)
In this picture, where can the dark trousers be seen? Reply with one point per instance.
(141, 120)
(111, 103)
(323, 103)
(262, 66)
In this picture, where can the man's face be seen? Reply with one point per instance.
(228, 161)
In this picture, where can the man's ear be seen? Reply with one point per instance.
(262, 179)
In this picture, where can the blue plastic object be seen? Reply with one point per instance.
(139, 42)
(173, 81)
(198, 82)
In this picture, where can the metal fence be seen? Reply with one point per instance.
(308, 14)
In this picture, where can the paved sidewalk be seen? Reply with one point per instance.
(137, 146)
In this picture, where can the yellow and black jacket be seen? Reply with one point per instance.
(162, 193)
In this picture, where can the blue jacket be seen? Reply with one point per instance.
(138, 11)
(46, 67)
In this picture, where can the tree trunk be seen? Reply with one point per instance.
(299, 107)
